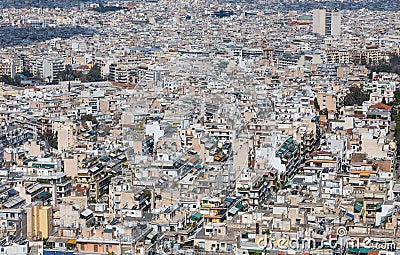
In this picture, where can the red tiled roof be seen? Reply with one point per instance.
(381, 106)
(125, 85)
(82, 67)
(320, 153)
(32, 87)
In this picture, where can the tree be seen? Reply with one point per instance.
(69, 74)
(16, 81)
(324, 112)
(392, 66)
(396, 99)
(27, 73)
(316, 105)
(51, 138)
(7, 79)
(94, 74)
(89, 117)
(356, 97)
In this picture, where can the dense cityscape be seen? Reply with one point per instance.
(201, 127)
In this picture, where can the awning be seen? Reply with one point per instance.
(379, 206)
(43, 194)
(360, 250)
(357, 207)
(152, 234)
(365, 174)
(228, 199)
(233, 210)
(86, 213)
(196, 216)
(239, 206)
(285, 147)
(71, 241)
(255, 251)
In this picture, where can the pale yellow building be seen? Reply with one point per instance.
(66, 137)
(39, 221)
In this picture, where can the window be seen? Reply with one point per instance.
(201, 245)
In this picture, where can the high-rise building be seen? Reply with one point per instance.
(326, 23)
(39, 221)
(47, 68)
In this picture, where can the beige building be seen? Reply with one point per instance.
(326, 23)
(327, 101)
(217, 237)
(71, 165)
(66, 138)
(39, 221)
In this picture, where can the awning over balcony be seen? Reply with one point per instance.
(71, 241)
(197, 216)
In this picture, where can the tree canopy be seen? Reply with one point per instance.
(94, 74)
(393, 66)
(69, 74)
(16, 81)
(51, 138)
(356, 97)
(89, 117)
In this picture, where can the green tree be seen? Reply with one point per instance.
(69, 74)
(94, 74)
(392, 66)
(7, 79)
(316, 105)
(324, 112)
(89, 117)
(356, 97)
(396, 99)
(16, 81)
(51, 138)
(27, 73)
